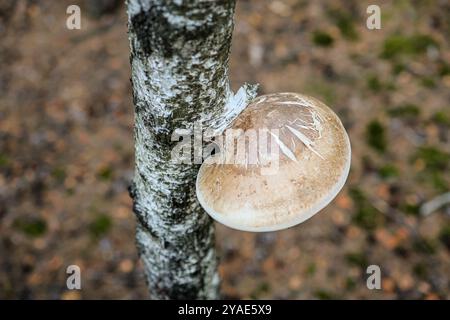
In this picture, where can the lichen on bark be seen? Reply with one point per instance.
(179, 72)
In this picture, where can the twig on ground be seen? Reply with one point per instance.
(434, 204)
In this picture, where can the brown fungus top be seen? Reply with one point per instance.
(288, 158)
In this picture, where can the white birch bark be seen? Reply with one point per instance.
(179, 62)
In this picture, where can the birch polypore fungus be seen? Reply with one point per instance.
(300, 163)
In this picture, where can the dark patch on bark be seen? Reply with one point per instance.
(155, 32)
(140, 219)
(132, 190)
(157, 128)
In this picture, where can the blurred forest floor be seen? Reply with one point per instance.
(66, 150)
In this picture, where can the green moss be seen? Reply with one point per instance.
(4, 160)
(100, 226)
(435, 159)
(322, 90)
(425, 246)
(410, 208)
(437, 180)
(436, 162)
(311, 269)
(397, 45)
(398, 68)
(32, 227)
(344, 22)
(441, 118)
(365, 216)
(59, 173)
(444, 69)
(323, 294)
(322, 39)
(357, 259)
(421, 42)
(388, 171)
(393, 46)
(374, 83)
(434, 179)
(105, 173)
(376, 136)
(261, 288)
(350, 283)
(407, 110)
(428, 82)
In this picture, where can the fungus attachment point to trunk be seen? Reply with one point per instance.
(283, 159)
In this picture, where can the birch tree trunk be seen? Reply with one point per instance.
(179, 62)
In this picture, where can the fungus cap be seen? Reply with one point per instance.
(286, 184)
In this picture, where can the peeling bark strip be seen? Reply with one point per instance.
(179, 62)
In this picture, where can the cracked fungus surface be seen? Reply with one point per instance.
(259, 194)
